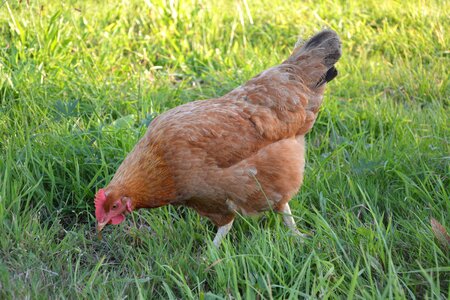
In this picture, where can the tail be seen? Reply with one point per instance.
(316, 58)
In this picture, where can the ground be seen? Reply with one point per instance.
(80, 80)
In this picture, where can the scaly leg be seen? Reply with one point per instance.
(221, 233)
(289, 220)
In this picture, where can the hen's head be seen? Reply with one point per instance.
(110, 208)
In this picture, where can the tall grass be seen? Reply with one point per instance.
(81, 80)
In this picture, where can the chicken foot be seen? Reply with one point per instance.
(221, 233)
(289, 220)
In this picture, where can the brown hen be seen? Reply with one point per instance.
(243, 153)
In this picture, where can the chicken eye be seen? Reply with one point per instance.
(114, 206)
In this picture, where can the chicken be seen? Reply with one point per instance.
(243, 153)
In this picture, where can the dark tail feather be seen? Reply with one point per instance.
(329, 75)
(326, 45)
(325, 49)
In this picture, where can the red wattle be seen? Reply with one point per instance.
(117, 219)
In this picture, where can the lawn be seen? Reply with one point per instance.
(81, 80)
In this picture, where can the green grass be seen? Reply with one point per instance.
(80, 80)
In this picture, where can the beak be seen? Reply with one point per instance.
(100, 228)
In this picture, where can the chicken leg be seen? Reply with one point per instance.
(221, 233)
(289, 220)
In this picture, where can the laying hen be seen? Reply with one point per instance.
(241, 153)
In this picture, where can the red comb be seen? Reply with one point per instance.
(100, 199)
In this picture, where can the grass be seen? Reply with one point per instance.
(81, 80)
